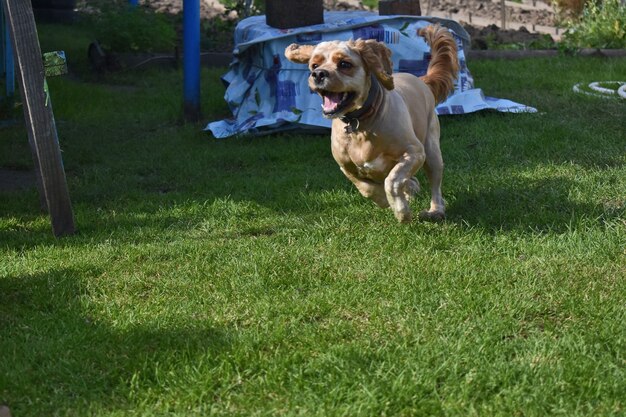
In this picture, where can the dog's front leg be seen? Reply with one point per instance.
(399, 181)
(369, 189)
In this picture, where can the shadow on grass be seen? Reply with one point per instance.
(538, 206)
(542, 205)
(56, 358)
(175, 187)
(493, 139)
(139, 185)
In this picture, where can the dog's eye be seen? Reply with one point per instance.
(314, 66)
(344, 65)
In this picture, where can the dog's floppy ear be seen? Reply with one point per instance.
(377, 57)
(300, 54)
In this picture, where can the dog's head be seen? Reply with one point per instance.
(340, 71)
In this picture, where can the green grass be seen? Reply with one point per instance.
(247, 277)
(370, 3)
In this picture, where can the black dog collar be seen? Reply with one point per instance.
(369, 107)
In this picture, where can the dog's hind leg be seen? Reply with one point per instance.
(433, 166)
(369, 189)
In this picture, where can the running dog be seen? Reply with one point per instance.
(384, 126)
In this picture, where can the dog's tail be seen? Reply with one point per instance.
(444, 64)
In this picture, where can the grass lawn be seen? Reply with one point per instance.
(247, 277)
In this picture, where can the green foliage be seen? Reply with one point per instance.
(372, 4)
(244, 7)
(127, 29)
(218, 33)
(540, 42)
(219, 30)
(8, 108)
(602, 25)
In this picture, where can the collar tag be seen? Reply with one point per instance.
(352, 125)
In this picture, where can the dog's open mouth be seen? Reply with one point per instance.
(334, 102)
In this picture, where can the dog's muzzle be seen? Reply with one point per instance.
(319, 76)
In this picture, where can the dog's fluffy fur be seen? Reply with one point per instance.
(382, 136)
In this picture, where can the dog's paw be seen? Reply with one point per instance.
(432, 216)
(411, 188)
(404, 216)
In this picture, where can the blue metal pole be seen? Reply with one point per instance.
(8, 67)
(191, 59)
(2, 34)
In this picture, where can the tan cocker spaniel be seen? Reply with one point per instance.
(384, 126)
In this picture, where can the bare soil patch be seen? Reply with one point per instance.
(481, 18)
(527, 12)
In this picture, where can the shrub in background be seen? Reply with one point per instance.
(568, 9)
(372, 4)
(219, 29)
(601, 25)
(127, 29)
(244, 8)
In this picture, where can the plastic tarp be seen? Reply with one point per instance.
(268, 93)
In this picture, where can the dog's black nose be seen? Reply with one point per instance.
(319, 75)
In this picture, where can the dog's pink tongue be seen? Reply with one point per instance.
(331, 101)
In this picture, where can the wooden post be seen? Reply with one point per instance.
(503, 14)
(39, 117)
